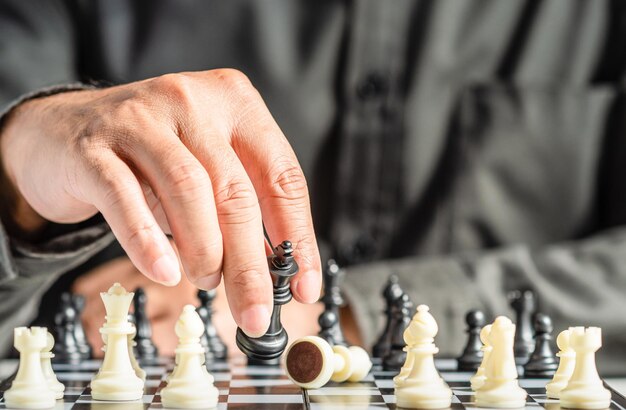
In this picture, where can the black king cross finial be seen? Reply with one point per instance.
(267, 349)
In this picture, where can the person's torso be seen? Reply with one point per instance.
(423, 126)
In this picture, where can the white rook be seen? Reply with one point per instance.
(585, 389)
(30, 388)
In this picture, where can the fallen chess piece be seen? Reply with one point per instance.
(117, 379)
(501, 388)
(311, 363)
(30, 388)
(419, 385)
(46, 366)
(188, 386)
(585, 389)
(566, 365)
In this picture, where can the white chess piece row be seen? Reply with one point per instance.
(35, 386)
(576, 382)
(419, 385)
(121, 379)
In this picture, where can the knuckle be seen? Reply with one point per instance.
(247, 280)
(233, 79)
(177, 87)
(114, 189)
(237, 202)
(187, 180)
(140, 233)
(306, 247)
(287, 181)
(205, 260)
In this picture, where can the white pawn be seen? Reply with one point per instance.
(585, 389)
(30, 388)
(422, 388)
(46, 366)
(478, 379)
(116, 380)
(311, 363)
(501, 389)
(188, 386)
(566, 365)
(141, 373)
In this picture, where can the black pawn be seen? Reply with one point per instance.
(267, 349)
(523, 303)
(146, 350)
(472, 355)
(330, 326)
(391, 292)
(214, 347)
(79, 332)
(402, 311)
(66, 347)
(543, 361)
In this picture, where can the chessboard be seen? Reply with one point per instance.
(261, 387)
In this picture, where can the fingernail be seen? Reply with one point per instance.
(208, 282)
(255, 320)
(309, 286)
(166, 270)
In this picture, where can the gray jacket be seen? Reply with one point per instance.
(472, 147)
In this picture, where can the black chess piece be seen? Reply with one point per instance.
(402, 311)
(66, 347)
(214, 347)
(267, 349)
(524, 304)
(330, 325)
(146, 350)
(542, 362)
(391, 292)
(472, 355)
(79, 332)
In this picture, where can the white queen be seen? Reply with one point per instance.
(116, 379)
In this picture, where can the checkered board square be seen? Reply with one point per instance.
(268, 388)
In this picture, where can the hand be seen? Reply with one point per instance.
(164, 305)
(197, 155)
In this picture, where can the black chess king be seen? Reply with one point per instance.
(267, 349)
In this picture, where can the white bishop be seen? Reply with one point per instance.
(419, 385)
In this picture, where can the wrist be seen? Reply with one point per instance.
(19, 218)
